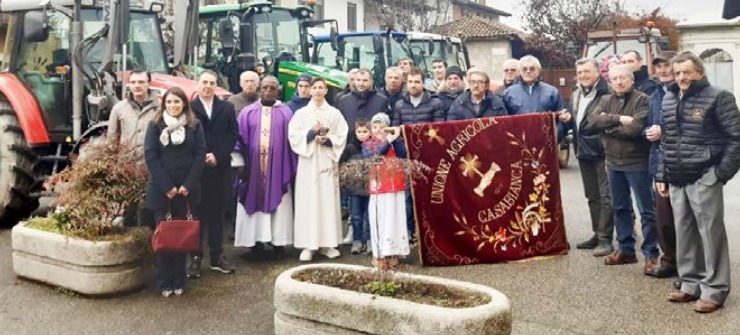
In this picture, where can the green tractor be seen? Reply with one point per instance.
(261, 37)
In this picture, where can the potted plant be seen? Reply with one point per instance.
(79, 246)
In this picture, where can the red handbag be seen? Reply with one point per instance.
(177, 236)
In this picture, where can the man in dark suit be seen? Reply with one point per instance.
(219, 124)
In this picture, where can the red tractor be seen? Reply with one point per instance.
(64, 68)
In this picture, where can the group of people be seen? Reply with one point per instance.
(672, 140)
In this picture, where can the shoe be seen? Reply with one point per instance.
(349, 238)
(603, 249)
(650, 265)
(680, 297)
(278, 252)
(412, 240)
(677, 284)
(306, 255)
(588, 244)
(703, 306)
(330, 253)
(357, 247)
(166, 293)
(222, 265)
(258, 247)
(618, 258)
(664, 272)
(194, 267)
(179, 291)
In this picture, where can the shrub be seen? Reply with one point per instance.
(96, 190)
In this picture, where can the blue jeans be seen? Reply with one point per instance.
(620, 183)
(360, 219)
(344, 198)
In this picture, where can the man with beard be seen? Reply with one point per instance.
(219, 124)
(363, 102)
(264, 189)
(302, 94)
(249, 82)
(452, 88)
(478, 102)
(417, 105)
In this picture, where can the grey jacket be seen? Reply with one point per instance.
(129, 120)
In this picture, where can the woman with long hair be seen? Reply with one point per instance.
(175, 151)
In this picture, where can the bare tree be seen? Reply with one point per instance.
(410, 15)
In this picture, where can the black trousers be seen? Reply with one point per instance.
(666, 228)
(216, 184)
(171, 266)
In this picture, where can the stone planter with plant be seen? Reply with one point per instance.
(350, 299)
(79, 247)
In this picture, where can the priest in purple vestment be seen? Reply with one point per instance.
(265, 208)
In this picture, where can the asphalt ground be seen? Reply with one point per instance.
(572, 294)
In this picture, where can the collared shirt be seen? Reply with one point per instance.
(207, 105)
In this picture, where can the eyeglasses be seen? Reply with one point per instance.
(509, 70)
(529, 69)
(477, 82)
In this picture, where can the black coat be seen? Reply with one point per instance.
(700, 130)
(643, 82)
(354, 106)
(173, 165)
(429, 110)
(463, 109)
(588, 146)
(447, 98)
(221, 132)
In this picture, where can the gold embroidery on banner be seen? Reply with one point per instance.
(531, 220)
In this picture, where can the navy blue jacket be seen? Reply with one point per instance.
(296, 102)
(462, 108)
(353, 106)
(655, 117)
(173, 165)
(430, 109)
(221, 132)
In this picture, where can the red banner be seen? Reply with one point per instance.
(493, 192)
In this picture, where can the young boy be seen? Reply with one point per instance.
(359, 198)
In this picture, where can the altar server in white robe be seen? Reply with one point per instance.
(318, 134)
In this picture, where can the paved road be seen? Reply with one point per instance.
(573, 294)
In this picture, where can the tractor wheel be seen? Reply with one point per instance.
(16, 169)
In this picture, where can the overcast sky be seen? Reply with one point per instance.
(684, 10)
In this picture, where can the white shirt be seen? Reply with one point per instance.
(208, 105)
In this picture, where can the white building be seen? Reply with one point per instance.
(718, 45)
(350, 14)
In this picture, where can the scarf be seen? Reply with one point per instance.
(175, 130)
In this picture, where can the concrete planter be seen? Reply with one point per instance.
(86, 267)
(309, 309)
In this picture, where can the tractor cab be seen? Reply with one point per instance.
(264, 38)
(430, 47)
(65, 66)
(43, 62)
(372, 50)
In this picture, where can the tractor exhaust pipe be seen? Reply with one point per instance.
(78, 82)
